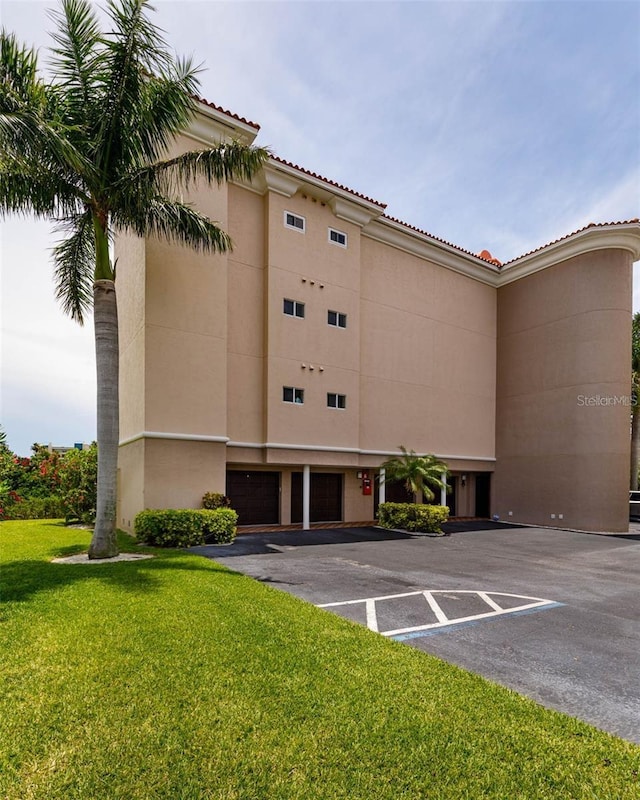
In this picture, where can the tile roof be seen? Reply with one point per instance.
(228, 113)
(485, 255)
(482, 256)
(327, 180)
(573, 233)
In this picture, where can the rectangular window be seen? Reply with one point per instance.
(337, 237)
(294, 221)
(292, 395)
(337, 319)
(337, 400)
(293, 308)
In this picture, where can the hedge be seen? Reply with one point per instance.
(51, 507)
(412, 517)
(185, 527)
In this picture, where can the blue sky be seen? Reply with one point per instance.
(498, 125)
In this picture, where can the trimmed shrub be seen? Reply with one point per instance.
(213, 500)
(412, 517)
(33, 508)
(185, 527)
(219, 525)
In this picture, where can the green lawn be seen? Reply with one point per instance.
(176, 678)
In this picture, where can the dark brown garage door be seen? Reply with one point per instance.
(326, 497)
(255, 496)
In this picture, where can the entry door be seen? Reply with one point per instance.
(452, 482)
(483, 494)
(394, 492)
(255, 495)
(326, 497)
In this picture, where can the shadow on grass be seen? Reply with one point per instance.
(24, 579)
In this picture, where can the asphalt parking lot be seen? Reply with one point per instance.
(554, 615)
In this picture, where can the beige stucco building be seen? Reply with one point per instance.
(285, 372)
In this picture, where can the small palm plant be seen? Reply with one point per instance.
(420, 474)
(89, 150)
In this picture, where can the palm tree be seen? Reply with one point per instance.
(635, 401)
(89, 150)
(419, 473)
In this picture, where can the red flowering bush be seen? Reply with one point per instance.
(48, 485)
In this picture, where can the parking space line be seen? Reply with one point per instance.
(372, 620)
(488, 600)
(440, 615)
(443, 621)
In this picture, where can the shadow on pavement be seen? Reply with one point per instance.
(273, 541)
(262, 543)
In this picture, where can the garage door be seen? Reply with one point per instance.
(326, 497)
(255, 496)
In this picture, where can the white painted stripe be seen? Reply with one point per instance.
(432, 591)
(490, 602)
(372, 619)
(440, 615)
(486, 615)
(443, 620)
(366, 599)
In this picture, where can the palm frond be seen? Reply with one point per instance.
(19, 83)
(30, 128)
(166, 109)
(74, 262)
(134, 51)
(77, 52)
(27, 189)
(216, 165)
(175, 222)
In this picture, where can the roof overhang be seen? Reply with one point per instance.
(613, 236)
(211, 125)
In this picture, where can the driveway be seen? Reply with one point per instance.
(554, 615)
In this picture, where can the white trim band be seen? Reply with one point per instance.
(320, 448)
(182, 437)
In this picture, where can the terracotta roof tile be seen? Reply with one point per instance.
(228, 113)
(489, 260)
(327, 180)
(484, 255)
(568, 235)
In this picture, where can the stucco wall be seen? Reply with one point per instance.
(428, 362)
(563, 342)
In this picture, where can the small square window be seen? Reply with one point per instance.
(294, 221)
(293, 308)
(292, 395)
(336, 400)
(337, 237)
(337, 319)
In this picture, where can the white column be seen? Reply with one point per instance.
(306, 496)
(382, 487)
(443, 492)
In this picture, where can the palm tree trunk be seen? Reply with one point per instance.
(635, 446)
(105, 319)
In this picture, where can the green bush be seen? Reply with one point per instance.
(220, 525)
(412, 517)
(185, 527)
(78, 484)
(34, 508)
(213, 500)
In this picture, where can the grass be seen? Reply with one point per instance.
(176, 678)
